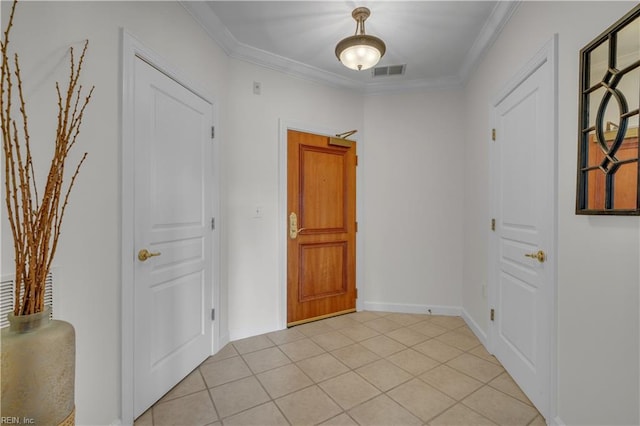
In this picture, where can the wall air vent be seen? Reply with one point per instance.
(389, 70)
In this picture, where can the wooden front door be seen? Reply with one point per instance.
(321, 226)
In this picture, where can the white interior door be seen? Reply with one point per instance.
(172, 319)
(523, 205)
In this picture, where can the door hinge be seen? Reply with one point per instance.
(493, 314)
(213, 223)
(213, 315)
(356, 161)
(213, 132)
(356, 226)
(493, 134)
(356, 293)
(493, 224)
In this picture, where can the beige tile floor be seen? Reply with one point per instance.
(365, 368)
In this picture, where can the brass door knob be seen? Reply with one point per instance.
(145, 254)
(540, 255)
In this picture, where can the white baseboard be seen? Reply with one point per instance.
(480, 334)
(407, 308)
(223, 341)
(249, 332)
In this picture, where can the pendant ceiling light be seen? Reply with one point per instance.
(360, 51)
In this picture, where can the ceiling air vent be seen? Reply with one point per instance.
(389, 70)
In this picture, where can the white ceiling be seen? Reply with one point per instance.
(439, 41)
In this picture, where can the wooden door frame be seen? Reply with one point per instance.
(132, 48)
(547, 54)
(284, 126)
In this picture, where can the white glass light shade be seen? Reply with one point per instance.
(360, 52)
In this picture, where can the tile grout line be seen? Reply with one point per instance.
(311, 334)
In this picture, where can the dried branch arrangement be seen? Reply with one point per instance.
(36, 222)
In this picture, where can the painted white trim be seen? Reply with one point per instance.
(552, 57)
(255, 329)
(223, 340)
(477, 330)
(500, 15)
(547, 54)
(285, 125)
(132, 48)
(409, 308)
(129, 48)
(215, 28)
(216, 250)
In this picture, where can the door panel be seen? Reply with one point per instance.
(322, 190)
(324, 272)
(172, 297)
(523, 201)
(321, 257)
(517, 307)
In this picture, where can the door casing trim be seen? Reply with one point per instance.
(285, 125)
(547, 54)
(132, 48)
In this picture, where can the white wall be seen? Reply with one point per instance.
(598, 257)
(408, 150)
(89, 252)
(598, 307)
(251, 161)
(413, 200)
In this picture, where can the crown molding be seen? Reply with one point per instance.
(499, 17)
(297, 69)
(213, 26)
